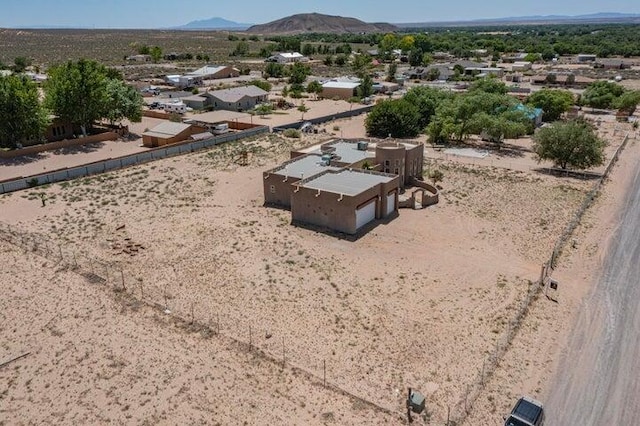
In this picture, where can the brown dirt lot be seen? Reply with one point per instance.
(419, 301)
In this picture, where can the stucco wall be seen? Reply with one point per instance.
(101, 137)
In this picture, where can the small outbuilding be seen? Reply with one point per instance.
(167, 133)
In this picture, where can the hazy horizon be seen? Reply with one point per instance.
(147, 14)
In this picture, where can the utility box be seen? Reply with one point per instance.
(416, 402)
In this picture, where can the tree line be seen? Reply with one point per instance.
(80, 93)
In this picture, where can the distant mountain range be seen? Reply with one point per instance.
(319, 23)
(214, 24)
(605, 17)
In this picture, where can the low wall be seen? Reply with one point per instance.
(110, 164)
(324, 119)
(156, 114)
(30, 150)
(430, 196)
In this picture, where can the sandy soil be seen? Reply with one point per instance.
(419, 301)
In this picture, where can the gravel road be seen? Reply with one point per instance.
(598, 381)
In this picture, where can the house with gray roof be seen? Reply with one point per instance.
(242, 98)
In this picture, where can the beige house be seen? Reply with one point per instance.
(344, 185)
(339, 89)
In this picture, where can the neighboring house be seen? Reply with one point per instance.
(242, 98)
(613, 64)
(59, 129)
(184, 81)
(484, 71)
(197, 77)
(139, 58)
(583, 57)
(168, 133)
(516, 57)
(287, 58)
(521, 66)
(340, 88)
(326, 185)
(562, 80)
(211, 72)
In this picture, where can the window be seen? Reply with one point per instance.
(397, 171)
(273, 189)
(386, 170)
(386, 163)
(397, 163)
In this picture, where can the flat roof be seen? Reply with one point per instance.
(340, 85)
(347, 151)
(303, 167)
(347, 181)
(167, 129)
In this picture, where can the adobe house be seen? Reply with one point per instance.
(344, 200)
(278, 182)
(344, 185)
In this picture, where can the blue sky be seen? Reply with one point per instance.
(167, 13)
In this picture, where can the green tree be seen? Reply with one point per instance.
(407, 43)
(366, 87)
(24, 118)
(391, 71)
(156, 53)
(123, 101)
(602, 94)
(263, 109)
(20, 64)
(427, 99)
(298, 73)
(341, 60)
(328, 60)
(573, 144)
(553, 102)
(396, 118)
(361, 65)
(263, 84)
(143, 49)
(274, 70)
(488, 85)
(628, 101)
(77, 92)
(388, 43)
(241, 49)
(303, 109)
(415, 57)
(314, 87)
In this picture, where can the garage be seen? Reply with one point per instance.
(365, 214)
(391, 203)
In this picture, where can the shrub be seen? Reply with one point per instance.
(292, 133)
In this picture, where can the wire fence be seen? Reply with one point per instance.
(463, 407)
(275, 346)
(191, 313)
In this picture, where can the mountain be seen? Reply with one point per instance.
(600, 18)
(214, 24)
(318, 23)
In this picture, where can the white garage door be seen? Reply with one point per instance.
(391, 203)
(365, 214)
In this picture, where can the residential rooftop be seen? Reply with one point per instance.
(167, 129)
(303, 167)
(348, 182)
(347, 151)
(235, 94)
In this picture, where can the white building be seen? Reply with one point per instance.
(288, 58)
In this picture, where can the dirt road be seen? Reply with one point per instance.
(598, 381)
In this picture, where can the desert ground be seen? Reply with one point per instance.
(220, 290)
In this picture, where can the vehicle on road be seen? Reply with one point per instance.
(526, 412)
